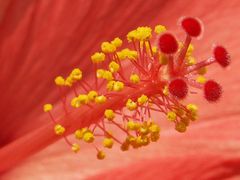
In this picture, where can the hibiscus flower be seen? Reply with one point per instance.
(40, 40)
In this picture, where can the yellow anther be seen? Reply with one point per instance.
(190, 50)
(101, 155)
(100, 73)
(131, 105)
(143, 33)
(76, 74)
(110, 85)
(83, 98)
(109, 114)
(100, 99)
(59, 81)
(154, 49)
(201, 79)
(171, 116)
(69, 81)
(163, 59)
(165, 91)
(125, 146)
(88, 137)
(108, 47)
(75, 147)
(59, 129)
(118, 86)
(180, 127)
(191, 61)
(108, 75)
(131, 125)
(113, 67)
(202, 71)
(134, 78)
(127, 54)
(154, 128)
(75, 102)
(92, 95)
(142, 99)
(79, 133)
(47, 107)
(154, 137)
(98, 57)
(131, 35)
(108, 143)
(185, 120)
(192, 108)
(117, 42)
(159, 29)
(143, 130)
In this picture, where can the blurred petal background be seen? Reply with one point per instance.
(41, 39)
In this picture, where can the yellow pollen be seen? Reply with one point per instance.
(159, 29)
(109, 114)
(59, 129)
(92, 95)
(75, 147)
(101, 155)
(98, 57)
(100, 73)
(134, 78)
(201, 79)
(118, 86)
(131, 105)
(171, 116)
(47, 107)
(117, 42)
(100, 99)
(68, 81)
(83, 98)
(107, 75)
(131, 125)
(108, 47)
(142, 99)
(76, 74)
(79, 133)
(59, 81)
(108, 143)
(88, 137)
(113, 67)
(192, 108)
(75, 102)
(191, 61)
(165, 91)
(110, 85)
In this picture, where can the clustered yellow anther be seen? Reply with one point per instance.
(159, 29)
(75, 147)
(108, 142)
(88, 136)
(131, 105)
(92, 95)
(117, 42)
(104, 74)
(98, 57)
(59, 129)
(100, 99)
(127, 54)
(113, 66)
(115, 86)
(142, 99)
(140, 34)
(146, 131)
(82, 99)
(59, 81)
(171, 116)
(75, 102)
(76, 74)
(107, 47)
(101, 155)
(193, 110)
(47, 107)
(190, 50)
(79, 133)
(131, 125)
(134, 78)
(201, 79)
(109, 114)
(165, 91)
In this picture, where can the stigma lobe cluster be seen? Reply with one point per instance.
(158, 78)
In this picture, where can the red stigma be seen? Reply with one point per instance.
(168, 43)
(221, 56)
(178, 88)
(192, 26)
(212, 91)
